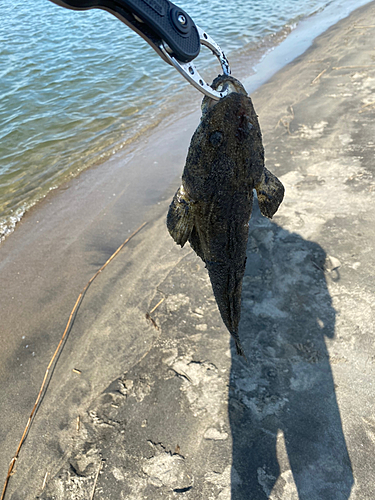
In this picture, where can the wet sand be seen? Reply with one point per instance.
(164, 408)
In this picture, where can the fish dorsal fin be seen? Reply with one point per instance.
(180, 218)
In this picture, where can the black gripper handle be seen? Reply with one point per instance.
(165, 20)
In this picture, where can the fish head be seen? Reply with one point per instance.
(226, 151)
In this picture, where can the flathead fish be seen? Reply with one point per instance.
(212, 207)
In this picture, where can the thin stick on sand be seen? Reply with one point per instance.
(96, 480)
(317, 77)
(44, 481)
(157, 305)
(355, 67)
(366, 106)
(58, 348)
(150, 318)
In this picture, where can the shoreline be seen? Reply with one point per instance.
(258, 71)
(50, 256)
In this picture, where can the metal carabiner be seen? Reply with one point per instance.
(190, 72)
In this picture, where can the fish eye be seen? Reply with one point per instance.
(216, 138)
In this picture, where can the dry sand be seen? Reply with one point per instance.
(140, 409)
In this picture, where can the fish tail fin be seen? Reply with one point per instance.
(226, 281)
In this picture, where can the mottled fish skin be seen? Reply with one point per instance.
(212, 207)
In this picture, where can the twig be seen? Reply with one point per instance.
(153, 322)
(96, 480)
(317, 266)
(157, 305)
(365, 106)
(148, 314)
(76, 306)
(317, 77)
(44, 481)
(181, 373)
(353, 67)
(78, 424)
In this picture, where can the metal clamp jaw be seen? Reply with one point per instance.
(190, 72)
(168, 29)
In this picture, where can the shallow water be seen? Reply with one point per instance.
(75, 87)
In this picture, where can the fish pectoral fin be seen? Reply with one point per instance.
(196, 244)
(180, 218)
(270, 193)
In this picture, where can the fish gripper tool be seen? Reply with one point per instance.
(169, 30)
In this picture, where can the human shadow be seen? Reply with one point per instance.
(284, 416)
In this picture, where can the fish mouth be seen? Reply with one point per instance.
(221, 84)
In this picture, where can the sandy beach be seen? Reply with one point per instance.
(147, 406)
